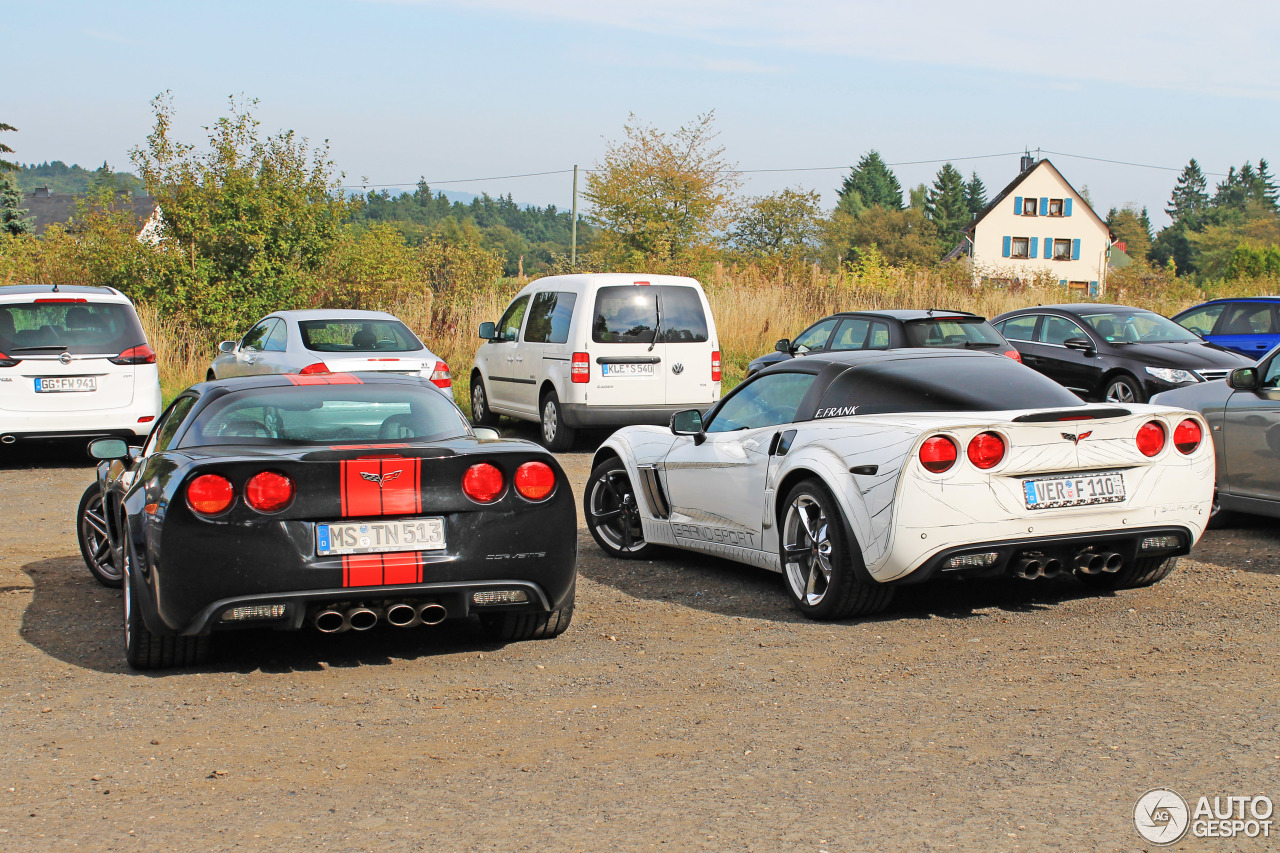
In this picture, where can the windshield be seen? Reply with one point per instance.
(327, 414)
(1132, 327)
(357, 335)
(77, 326)
(952, 332)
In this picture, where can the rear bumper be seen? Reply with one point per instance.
(584, 415)
(119, 423)
(1126, 542)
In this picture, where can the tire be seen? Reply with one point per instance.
(613, 514)
(143, 649)
(555, 434)
(819, 562)
(514, 627)
(95, 543)
(1122, 388)
(1138, 573)
(481, 414)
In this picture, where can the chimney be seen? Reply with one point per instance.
(1028, 162)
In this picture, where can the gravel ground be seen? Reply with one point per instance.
(687, 708)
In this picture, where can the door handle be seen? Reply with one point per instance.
(520, 358)
(511, 358)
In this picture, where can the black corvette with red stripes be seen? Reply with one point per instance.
(339, 501)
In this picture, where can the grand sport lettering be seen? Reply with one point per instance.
(714, 534)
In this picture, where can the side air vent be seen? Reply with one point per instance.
(651, 483)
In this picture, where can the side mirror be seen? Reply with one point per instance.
(227, 346)
(486, 433)
(1083, 345)
(488, 331)
(1243, 379)
(688, 422)
(783, 345)
(109, 449)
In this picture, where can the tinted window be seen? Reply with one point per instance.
(277, 339)
(549, 318)
(879, 336)
(1271, 378)
(326, 414)
(1059, 330)
(509, 325)
(683, 321)
(626, 314)
(952, 332)
(257, 337)
(81, 328)
(1131, 327)
(768, 401)
(1247, 318)
(949, 384)
(815, 337)
(357, 335)
(852, 334)
(164, 431)
(1019, 328)
(1201, 320)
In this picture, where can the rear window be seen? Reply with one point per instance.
(76, 326)
(326, 414)
(630, 314)
(356, 335)
(949, 384)
(952, 332)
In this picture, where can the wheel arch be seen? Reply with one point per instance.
(1110, 375)
(829, 469)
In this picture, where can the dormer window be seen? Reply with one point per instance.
(1055, 207)
(1028, 207)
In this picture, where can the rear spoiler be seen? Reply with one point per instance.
(1072, 415)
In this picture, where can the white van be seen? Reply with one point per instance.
(597, 350)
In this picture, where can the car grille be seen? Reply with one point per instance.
(1209, 375)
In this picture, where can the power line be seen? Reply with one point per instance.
(459, 180)
(1127, 163)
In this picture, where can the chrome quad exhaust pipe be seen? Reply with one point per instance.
(1034, 566)
(8, 439)
(402, 615)
(361, 618)
(432, 613)
(329, 620)
(1095, 563)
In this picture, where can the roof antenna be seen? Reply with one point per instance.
(55, 288)
(1027, 160)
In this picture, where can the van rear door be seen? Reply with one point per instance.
(627, 354)
(687, 334)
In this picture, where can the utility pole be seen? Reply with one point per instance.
(573, 234)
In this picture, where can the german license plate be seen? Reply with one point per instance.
(373, 537)
(610, 369)
(57, 384)
(1080, 490)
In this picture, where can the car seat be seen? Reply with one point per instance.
(397, 426)
(78, 318)
(1106, 329)
(7, 328)
(364, 340)
(1239, 324)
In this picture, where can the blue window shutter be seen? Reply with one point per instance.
(1044, 206)
(1017, 207)
(1035, 245)
(1093, 288)
(1075, 250)
(1066, 207)
(1063, 282)
(1008, 246)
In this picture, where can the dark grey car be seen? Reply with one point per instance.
(1243, 412)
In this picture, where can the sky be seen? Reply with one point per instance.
(461, 89)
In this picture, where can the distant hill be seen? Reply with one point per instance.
(61, 178)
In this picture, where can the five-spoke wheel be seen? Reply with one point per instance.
(95, 543)
(613, 515)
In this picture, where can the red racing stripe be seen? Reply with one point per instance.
(382, 569)
(362, 570)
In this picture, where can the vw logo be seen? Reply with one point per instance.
(65, 358)
(677, 368)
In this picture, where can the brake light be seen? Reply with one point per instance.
(269, 491)
(482, 483)
(5, 361)
(938, 454)
(986, 449)
(58, 301)
(210, 494)
(141, 354)
(1014, 354)
(580, 371)
(313, 369)
(1187, 436)
(1151, 438)
(715, 366)
(535, 480)
(441, 377)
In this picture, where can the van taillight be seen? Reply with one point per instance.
(441, 377)
(715, 366)
(141, 354)
(581, 370)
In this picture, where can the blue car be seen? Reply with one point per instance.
(1248, 325)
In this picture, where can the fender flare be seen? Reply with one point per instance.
(824, 465)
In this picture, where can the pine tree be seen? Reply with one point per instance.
(975, 193)
(948, 205)
(6, 165)
(1266, 188)
(1190, 199)
(869, 183)
(1231, 192)
(13, 219)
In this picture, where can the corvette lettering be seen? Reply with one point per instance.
(836, 412)
(718, 535)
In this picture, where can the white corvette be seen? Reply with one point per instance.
(850, 473)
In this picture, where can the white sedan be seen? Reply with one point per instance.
(330, 341)
(851, 473)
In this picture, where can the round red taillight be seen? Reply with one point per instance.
(938, 454)
(210, 494)
(1187, 436)
(268, 491)
(535, 480)
(986, 449)
(1151, 438)
(482, 483)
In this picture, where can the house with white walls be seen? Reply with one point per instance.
(1039, 227)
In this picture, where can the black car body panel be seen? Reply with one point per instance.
(189, 563)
